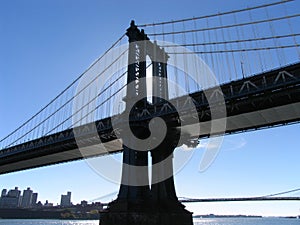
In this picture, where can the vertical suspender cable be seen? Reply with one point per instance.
(227, 54)
(60, 114)
(278, 53)
(211, 50)
(206, 56)
(175, 69)
(109, 84)
(292, 32)
(232, 54)
(119, 73)
(186, 76)
(240, 47)
(195, 49)
(254, 31)
(247, 58)
(271, 33)
(218, 57)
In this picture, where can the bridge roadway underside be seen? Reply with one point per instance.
(261, 101)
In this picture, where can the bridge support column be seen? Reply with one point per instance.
(137, 205)
(163, 195)
(132, 205)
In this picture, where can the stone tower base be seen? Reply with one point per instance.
(149, 215)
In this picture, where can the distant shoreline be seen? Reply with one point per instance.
(51, 213)
(240, 216)
(90, 213)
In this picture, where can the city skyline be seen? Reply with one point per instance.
(30, 199)
(13, 198)
(44, 48)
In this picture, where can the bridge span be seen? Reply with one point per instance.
(263, 100)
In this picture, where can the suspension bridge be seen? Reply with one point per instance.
(246, 76)
(270, 197)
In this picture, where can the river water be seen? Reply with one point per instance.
(210, 221)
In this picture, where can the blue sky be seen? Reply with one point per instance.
(45, 45)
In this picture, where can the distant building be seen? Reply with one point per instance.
(27, 198)
(98, 205)
(11, 199)
(66, 200)
(84, 203)
(34, 199)
(14, 192)
(3, 193)
(39, 204)
(48, 204)
(14, 199)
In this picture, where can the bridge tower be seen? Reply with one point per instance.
(156, 204)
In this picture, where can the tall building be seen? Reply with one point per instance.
(14, 192)
(14, 199)
(34, 199)
(27, 198)
(66, 199)
(3, 193)
(11, 199)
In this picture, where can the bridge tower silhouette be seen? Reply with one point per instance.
(257, 77)
(137, 201)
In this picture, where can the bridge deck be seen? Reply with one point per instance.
(264, 100)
